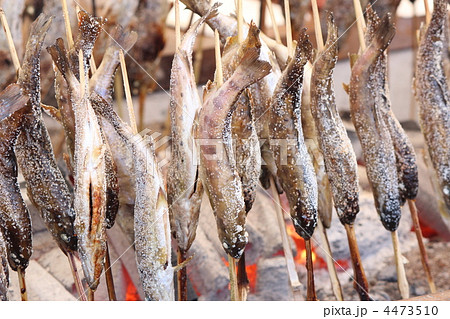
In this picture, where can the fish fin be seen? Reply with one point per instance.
(52, 111)
(346, 87)
(122, 38)
(12, 99)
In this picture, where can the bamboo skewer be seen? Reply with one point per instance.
(360, 22)
(310, 289)
(423, 252)
(219, 82)
(359, 277)
(126, 84)
(287, 12)
(91, 295)
(219, 71)
(12, 48)
(240, 21)
(177, 25)
(67, 24)
(76, 277)
(317, 26)
(335, 284)
(109, 276)
(233, 279)
(427, 12)
(243, 284)
(181, 276)
(401, 275)
(118, 92)
(272, 18)
(294, 281)
(22, 284)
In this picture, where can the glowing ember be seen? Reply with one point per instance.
(131, 291)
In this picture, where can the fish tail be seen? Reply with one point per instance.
(58, 53)
(384, 33)
(122, 38)
(250, 69)
(252, 39)
(304, 49)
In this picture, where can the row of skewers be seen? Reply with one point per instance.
(259, 94)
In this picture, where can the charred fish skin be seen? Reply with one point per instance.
(15, 220)
(432, 94)
(244, 136)
(295, 168)
(218, 171)
(339, 157)
(184, 191)
(373, 131)
(404, 151)
(4, 271)
(46, 186)
(152, 226)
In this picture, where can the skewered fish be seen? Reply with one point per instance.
(152, 228)
(89, 169)
(15, 221)
(244, 137)
(404, 151)
(184, 190)
(218, 171)
(46, 186)
(340, 160)
(433, 97)
(325, 199)
(372, 130)
(295, 168)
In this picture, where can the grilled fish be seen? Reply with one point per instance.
(218, 171)
(340, 159)
(15, 221)
(151, 218)
(184, 191)
(89, 170)
(244, 137)
(433, 97)
(295, 168)
(408, 180)
(46, 186)
(372, 130)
